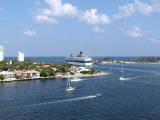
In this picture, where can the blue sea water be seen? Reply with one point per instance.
(95, 98)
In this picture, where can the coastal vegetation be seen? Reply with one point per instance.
(10, 71)
(1, 77)
(28, 65)
(119, 60)
(91, 71)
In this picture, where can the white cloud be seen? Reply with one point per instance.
(93, 17)
(58, 9)
(135, 32)
(45, 19)
(30, 33)
(138, 32)
(155, 40)
(136, 7)
(96, 29)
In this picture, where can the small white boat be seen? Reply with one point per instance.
(76, 79)
(68, 87)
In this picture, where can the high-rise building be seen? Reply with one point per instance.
(20, 56)
(1, 53)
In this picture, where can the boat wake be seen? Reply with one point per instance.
(76, 80)
(59, 101)
(138, 77)
(130, 69)
(127, 78)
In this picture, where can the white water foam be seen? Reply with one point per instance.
(129, 69)
(138, 77)
(127, 78)
(60, 101)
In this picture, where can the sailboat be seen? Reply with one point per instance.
(68, 87)
(122, 71)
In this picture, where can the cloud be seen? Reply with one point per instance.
(30, 33)
(154, 40)
(138, 32)
(55, 9)
(137, 7)
(93, 17)
(58, 9)
(96, 29)
(45, 19)
(135, 32)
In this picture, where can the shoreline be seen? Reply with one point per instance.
(128, 63)
(59, 77)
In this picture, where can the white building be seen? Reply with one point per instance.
(8, 76)
(1, 53)
(20, 56)
(27, 74)
(80, 69)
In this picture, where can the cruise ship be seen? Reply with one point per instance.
(80, 60)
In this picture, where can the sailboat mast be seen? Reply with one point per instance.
(69, 80)
(122, 69)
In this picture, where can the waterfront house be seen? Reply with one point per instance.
(27, 74)
(8, 76)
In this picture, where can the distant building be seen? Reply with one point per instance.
(46, 66)
(1, 53)
(20, 56)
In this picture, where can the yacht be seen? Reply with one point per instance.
(68, 87)
(80, 60)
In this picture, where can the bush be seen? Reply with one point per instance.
(47, 72)
(1, 77)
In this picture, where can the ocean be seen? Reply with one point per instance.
(95, 98)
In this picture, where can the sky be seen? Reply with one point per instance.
(97, 27)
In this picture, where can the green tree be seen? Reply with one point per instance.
(43, 73)
(1, 77)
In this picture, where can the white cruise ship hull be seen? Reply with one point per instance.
(80, 64)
